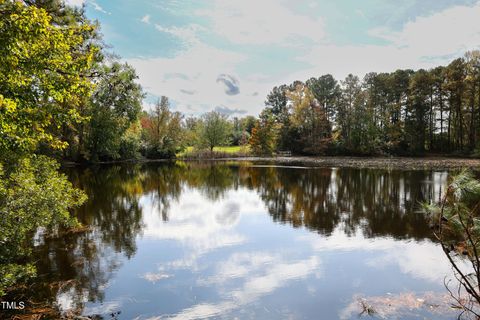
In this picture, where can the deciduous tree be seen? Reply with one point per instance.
(214, 130)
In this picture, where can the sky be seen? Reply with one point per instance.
(226, 55)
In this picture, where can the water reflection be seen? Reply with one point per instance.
(196, 240)
(77, 267)
(376, 200)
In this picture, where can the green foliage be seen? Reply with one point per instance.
(45, 68)
(263, 140)
(456, 224)
(163, 132)
(404, 112)
(326, 90)
(248, 123)
(131, 142)
(32, 194)
(115, 106)
(60, 12)
(191, 129)
(476, 152)
(214, 130)
(43, 75)
(277, 100)
(241, 130)
(237, 132)
(12, 273)
(308, 122)
(458, 207)
(416, 118)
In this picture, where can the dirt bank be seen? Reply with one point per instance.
(361, 162)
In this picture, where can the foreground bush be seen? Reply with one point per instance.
(456, 225)
(33, 194)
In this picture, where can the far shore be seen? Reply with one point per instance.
(335, 161)
(368, 162)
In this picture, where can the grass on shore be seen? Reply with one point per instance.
(218, 152)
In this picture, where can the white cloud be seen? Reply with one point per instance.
(361, 13)
(146, 19)
(443, 33)
(423, 260)
(104, 308)
(276, 275)
(187, 34)
(77, 3)
(239, 265)
(358, 60)
(190, 78)
(261, 276)
(97, 7)
(155, 277)
(202, 228)
(196, 227)
(66, 299)
(263, 22)
(422, 43)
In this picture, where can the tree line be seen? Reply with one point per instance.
(404, 112)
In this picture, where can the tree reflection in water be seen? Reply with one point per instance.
(380, 202)
(76, 267)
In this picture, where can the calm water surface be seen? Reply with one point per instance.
(249, 241)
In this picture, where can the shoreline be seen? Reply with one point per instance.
(410, 163)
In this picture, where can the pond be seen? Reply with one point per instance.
(248, 240)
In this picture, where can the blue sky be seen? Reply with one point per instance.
(227, 55)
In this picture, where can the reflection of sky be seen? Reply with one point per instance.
(226, 258)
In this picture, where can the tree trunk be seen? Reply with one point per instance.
(472, 130)
(449, 128)
(431, 119)
(440, 97)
